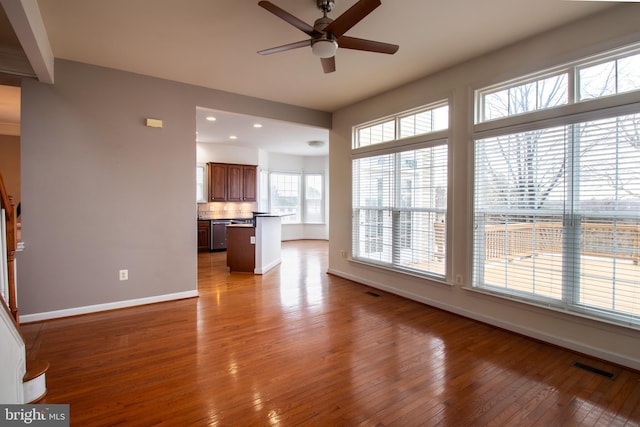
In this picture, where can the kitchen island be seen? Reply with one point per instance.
(255, 248)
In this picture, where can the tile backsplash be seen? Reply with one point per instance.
(220, 210)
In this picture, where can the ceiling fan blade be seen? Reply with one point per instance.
(328, 64)
(368, 45)
(283, 14)
(351, 17)
(284, 47)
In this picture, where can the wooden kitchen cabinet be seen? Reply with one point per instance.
(217, 182)
(232, 183)
(203, 235)
(241, 248)
(249, 183)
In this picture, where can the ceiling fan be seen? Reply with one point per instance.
(327, 34)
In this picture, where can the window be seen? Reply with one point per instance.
(400, 196)
(200, 186)
(300, 203)
(285, 196)
(593, 78)
(423, 121)
(376, 134)
(263, 183)
(557, 205)
(313, 199)
(523, 97)
(609, 78)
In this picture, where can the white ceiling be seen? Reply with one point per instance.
(213, 43)
(272, 135)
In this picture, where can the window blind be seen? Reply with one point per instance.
(557, 217)
(399, 209)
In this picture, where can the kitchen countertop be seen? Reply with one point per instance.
(225, 219)
(261, 214)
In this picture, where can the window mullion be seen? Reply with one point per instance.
(573, 86)
(571, 220)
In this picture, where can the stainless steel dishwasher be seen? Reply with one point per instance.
(219, 235)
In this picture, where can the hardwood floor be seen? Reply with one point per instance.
(299, 347)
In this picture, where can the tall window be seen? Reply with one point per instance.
(263, 194)
(313, 198)
(557, 201)
(200, 186)
(400, 192)
(298, 196)
(285, 192)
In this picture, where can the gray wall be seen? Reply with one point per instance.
(101, 192)
(606, 30)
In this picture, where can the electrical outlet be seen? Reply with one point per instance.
(124, 274)
(458, 279)
(343, 253)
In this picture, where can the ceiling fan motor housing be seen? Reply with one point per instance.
(321, 23)
(326, 5)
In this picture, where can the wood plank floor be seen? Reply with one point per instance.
(298, 347)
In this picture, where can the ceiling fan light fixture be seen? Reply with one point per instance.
(324, 48)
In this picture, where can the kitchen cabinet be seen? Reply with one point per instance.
(249, 183)
(241, 252)
(256, 247)
(203, 235)
(232, 182)
(217, 182)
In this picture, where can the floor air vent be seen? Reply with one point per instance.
(373, 294)
(593, 370)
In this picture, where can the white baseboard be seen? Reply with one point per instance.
(519, 329)
(36, 317)
(267, 267)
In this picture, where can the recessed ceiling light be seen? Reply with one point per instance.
(257, 125)
(233, 137)
(211, 118)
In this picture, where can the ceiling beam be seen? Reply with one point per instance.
(26, 21)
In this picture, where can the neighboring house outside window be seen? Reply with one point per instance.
(399, 185)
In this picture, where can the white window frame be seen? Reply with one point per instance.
(396, 138)
(305, 210)
(201, 193)
(302, 199)
(589, 110)
(574, 105)
(398, 145)
(287, 219)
